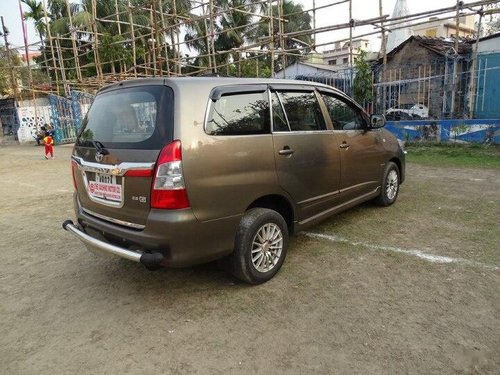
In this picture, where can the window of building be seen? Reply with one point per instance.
(332, 62)
(345, 60)
(431, 33)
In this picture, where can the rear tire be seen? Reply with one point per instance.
(390, 185)
(260, 246)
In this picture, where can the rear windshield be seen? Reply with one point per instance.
(130, 118)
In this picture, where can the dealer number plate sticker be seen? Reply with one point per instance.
(105, 187)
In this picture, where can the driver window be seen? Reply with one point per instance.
(343, 115)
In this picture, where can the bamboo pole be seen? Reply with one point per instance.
(212, 38)
(96, 40)
(134, 55)
(281, 28)
(163, 28)
(51, 45)
(472, 84)
(118, 18)
(152, 43)
(271, 35)
(63, 71)
(384, 49)
(73, 43)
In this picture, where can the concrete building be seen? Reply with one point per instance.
(426, 71)
(446, 28)
(32, 55)
(339, 56)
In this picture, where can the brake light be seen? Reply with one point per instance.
(74, 168)
(139, 173)
(168, 190)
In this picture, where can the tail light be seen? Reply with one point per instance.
(168, 190)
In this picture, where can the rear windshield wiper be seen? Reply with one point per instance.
(100, 147)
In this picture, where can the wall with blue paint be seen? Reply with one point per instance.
(460, 131)
(487, 103)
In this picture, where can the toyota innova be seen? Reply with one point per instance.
(178, 171)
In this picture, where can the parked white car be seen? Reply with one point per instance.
(407, 112)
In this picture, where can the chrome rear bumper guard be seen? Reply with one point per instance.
(151, 261)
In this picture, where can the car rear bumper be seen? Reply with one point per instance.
(149, 260)
(177, 235)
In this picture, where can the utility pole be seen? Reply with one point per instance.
(5, 32)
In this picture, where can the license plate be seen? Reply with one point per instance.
(105, 187)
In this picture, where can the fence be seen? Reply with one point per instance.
(64, 114)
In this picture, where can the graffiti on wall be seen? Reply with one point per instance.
(459, 131)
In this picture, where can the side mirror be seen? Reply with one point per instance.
(377, 121)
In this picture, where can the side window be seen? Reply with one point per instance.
(280, 124)
(302, 111)
(343, 115)
(239, 114)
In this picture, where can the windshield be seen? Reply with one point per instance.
(130, 118)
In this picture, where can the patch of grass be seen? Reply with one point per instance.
(454, 155)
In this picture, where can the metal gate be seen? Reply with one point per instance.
(67, 115)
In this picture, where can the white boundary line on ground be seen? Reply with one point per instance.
(414, 252)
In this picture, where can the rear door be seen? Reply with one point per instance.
(307, 158)
(360, 149)
(116, 151)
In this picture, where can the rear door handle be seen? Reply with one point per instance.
(286, 151)
(344, 145)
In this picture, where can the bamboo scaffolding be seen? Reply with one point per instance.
(168, 24)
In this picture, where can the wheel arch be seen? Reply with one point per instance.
(400, 166)
(279, 204)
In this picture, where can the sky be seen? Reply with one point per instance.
(362, 9)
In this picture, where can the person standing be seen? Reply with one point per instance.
(49, 145)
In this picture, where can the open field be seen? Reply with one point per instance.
(412, 288)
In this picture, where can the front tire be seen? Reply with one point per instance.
(390, 185)
(260, 246)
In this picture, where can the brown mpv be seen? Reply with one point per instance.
(178, 171)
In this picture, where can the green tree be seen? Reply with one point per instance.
(35, 13)
(5, 81)
(362, 84)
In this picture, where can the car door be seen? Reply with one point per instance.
(307, 160)
(360, 148)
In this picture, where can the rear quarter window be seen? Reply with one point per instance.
(239, 114)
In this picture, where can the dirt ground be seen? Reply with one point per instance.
(413, 288)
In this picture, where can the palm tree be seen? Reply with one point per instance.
(36, 13)
(237, 26)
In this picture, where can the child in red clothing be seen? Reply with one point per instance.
(49, 148)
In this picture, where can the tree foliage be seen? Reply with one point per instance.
(362, 84)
